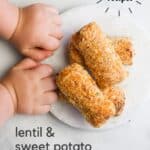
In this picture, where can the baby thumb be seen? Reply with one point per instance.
(27, 63)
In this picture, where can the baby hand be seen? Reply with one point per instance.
(38, 32)
(31, 87)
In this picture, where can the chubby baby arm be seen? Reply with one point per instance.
(6, 105)
(9, 16)
(28, 88)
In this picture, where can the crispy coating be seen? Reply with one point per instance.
(114, 94)
(99, 55)
(74, 56)
(117, 96)
(82, 92)
(123, 47)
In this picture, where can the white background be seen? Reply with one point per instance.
(133, 135)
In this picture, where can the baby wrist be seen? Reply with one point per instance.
(6, 105)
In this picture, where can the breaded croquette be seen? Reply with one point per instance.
(117, 96)
(114, 94)
(74, 56)
(99, 55)
(82, 92)
(123, 47)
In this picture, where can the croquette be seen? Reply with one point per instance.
(81, 91)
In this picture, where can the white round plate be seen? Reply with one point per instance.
(137, 86)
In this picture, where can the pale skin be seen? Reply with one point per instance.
(29, 87)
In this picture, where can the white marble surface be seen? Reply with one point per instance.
(133, 135)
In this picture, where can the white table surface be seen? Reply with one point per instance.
(133, 135)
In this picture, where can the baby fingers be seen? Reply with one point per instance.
(49, 98)
(56, 32)
(43, 71)
(55, 19)
(50, 43)
(48, 84)
(41, 109)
